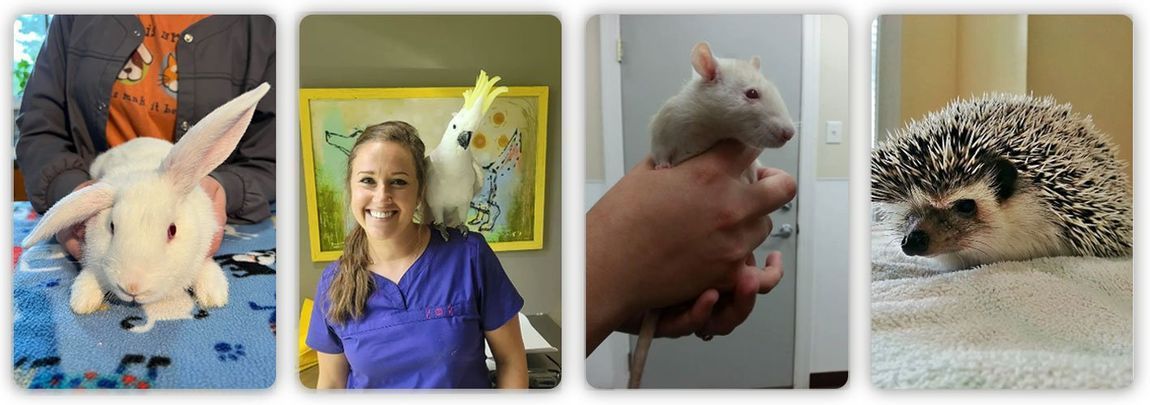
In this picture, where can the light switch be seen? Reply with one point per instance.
(834, 131)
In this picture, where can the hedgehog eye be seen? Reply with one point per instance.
(752, 94)
(966, 207)
(171, 231)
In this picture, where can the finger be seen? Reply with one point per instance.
(217, 239)
(731, 155)
(648, 163)
(772, 273)
(685, 322)
(74, 248)
(734, 308)
(763, 172)
(769, 193)
(755, 231)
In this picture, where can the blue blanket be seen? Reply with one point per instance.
(228, 347)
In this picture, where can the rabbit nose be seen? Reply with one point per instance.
(132, 288)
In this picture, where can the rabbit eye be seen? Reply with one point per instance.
(752, 94)
(112, 227)
(171, 231)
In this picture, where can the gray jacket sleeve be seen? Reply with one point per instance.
(249, 175)
(50, 156)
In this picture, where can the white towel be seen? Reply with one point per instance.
(1061, 322)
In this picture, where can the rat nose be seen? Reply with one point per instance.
(916, 243)
(787, 133)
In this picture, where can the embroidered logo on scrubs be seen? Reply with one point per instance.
(439, 312)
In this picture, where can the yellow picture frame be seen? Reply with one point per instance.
(520, 135)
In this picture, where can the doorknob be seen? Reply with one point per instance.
(785, 231)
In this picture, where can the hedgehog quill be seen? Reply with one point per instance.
(1003, 177)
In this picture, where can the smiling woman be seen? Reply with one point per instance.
(396, 287)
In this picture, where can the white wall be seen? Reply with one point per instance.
(828, 257)
(831, 268)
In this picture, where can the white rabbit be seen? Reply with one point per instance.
(729, 98)
(148, 223)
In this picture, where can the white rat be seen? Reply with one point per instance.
(729, 98)
(148, 223)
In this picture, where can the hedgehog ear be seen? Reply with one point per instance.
(1005, 178)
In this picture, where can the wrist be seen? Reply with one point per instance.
(610, 302)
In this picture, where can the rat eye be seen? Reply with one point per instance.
(171, 231)
(752, 94)
(965, 207)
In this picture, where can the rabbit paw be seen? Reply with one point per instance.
(87, 296)
(211, 286)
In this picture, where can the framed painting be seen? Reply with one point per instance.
(510, 145)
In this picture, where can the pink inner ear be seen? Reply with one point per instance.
(703, 62)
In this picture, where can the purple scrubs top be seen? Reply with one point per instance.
(427, 330)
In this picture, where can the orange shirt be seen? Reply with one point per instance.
(144, 95)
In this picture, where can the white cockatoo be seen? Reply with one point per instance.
(453, 175)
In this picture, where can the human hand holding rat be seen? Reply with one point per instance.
(660, 238)
(715, 313)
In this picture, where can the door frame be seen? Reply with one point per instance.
(808, 145)
(611, 90)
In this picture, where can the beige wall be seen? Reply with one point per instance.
(833, 160)
(438, 51)
(991, 54)
(1086, 61)
(593, 153)
(929, 64)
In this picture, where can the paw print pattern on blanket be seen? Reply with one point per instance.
(227, 352)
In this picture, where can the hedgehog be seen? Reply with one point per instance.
(1003, 177)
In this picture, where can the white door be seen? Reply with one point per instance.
(655, 65)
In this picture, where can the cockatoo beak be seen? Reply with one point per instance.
(464, 139)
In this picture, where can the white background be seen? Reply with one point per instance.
(574, 15)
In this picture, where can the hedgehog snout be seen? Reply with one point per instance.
(916, 243)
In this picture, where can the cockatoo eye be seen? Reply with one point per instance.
(171, 231)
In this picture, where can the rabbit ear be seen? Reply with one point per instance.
(71, 210)
(210, 141)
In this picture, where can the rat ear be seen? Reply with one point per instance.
(755, 62)
(704, 62)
